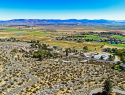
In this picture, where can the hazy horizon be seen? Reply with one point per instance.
(63, 9)
(62, 19)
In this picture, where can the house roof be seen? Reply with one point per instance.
(123, 65)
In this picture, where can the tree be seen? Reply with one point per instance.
(55, 55)
(85, 48)
(32, 45)
(123, 58)
(66, 52)
(49, 54)
(118, 62)
(92, 57)
(102, 46)
(39, 45)
(37, 41)
(114, 50)
(111, 57)
(41, 57)
(26, 55)
(107, 87)
(101, 57)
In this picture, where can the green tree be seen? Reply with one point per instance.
(66, 52)
(118, 62)
(85, 48)
(102, 46)
(107, 88)
(37, 41)
(122, 59)
(49, 54)
(39, 45)
(92, 57)
(32, 45)
(101, 58)
(26, 55)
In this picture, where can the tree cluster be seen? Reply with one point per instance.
(119, 52)
(42, 54)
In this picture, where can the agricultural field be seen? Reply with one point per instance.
(89, 37)
(115, 45)
(118, 36)
(111, 27)
(47, 33)
(62, 75)
(69, 44)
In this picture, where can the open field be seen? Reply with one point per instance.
(89, 37)
(63, 75)
(111, 27)
(115, 45)
(52, 31)
(91, 45)
(50, 76)
(118, 36)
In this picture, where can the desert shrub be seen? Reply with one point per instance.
(15, 50)
(62, 89)
(68, 88)
(6, 80)
(33, 86)
(8, 86)
(26, 55)
(32, 45)
(11, 83)
(37, 89)
(34, 91)
(20, 83)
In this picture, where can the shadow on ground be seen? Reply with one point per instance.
(99, 93)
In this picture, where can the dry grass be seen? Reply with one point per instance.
(91, 45)
(109, 46)
(65, 29)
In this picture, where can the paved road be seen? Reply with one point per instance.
(69, 54)
(84, 57)
(99, 89)
(34, 79)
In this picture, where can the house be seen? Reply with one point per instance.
(31, 55)
(23, 49)
(70, 51)
(82, 39)
(27, 51)
(122, 66)
(54, 47)
(37, 46)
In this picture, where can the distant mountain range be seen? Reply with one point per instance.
(60, 22)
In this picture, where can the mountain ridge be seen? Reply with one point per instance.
(59, 21)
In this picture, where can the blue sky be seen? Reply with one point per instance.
(62, 9)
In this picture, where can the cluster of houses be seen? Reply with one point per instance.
(82, 37)
(109, 40)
